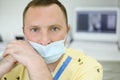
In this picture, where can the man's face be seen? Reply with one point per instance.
(45, 24)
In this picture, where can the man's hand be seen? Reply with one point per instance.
(6, 64)
(23, 52)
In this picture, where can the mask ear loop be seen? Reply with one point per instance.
(67, 37)
(65, 40)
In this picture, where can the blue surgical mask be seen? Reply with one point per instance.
(51, 52)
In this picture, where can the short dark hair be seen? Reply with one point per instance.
(35, 3)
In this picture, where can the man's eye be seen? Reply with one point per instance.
(55, 29)
(34, 30)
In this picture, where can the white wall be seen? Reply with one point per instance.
(11, 17)
(11, 13)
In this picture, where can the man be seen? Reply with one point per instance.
(43, 54)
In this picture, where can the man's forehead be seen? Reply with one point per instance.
(54, 9)
(43, 8)
(50, 12)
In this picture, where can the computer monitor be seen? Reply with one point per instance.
(96, 24)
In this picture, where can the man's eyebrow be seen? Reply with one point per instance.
(52, 25)
(56, 25)
(33, 26)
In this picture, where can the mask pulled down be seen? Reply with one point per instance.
(51, 52)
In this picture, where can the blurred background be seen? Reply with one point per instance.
(101, 44)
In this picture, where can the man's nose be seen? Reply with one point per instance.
(45, 39)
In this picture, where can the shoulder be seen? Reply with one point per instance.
(80, 56)
(85, 64)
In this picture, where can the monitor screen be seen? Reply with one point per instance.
(96, 24)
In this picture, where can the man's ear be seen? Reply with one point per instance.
(68, 28)
(23, 28)
(68, 31)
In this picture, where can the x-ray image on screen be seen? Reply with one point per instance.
(97, 21)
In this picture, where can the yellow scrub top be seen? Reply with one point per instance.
(75, 65)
